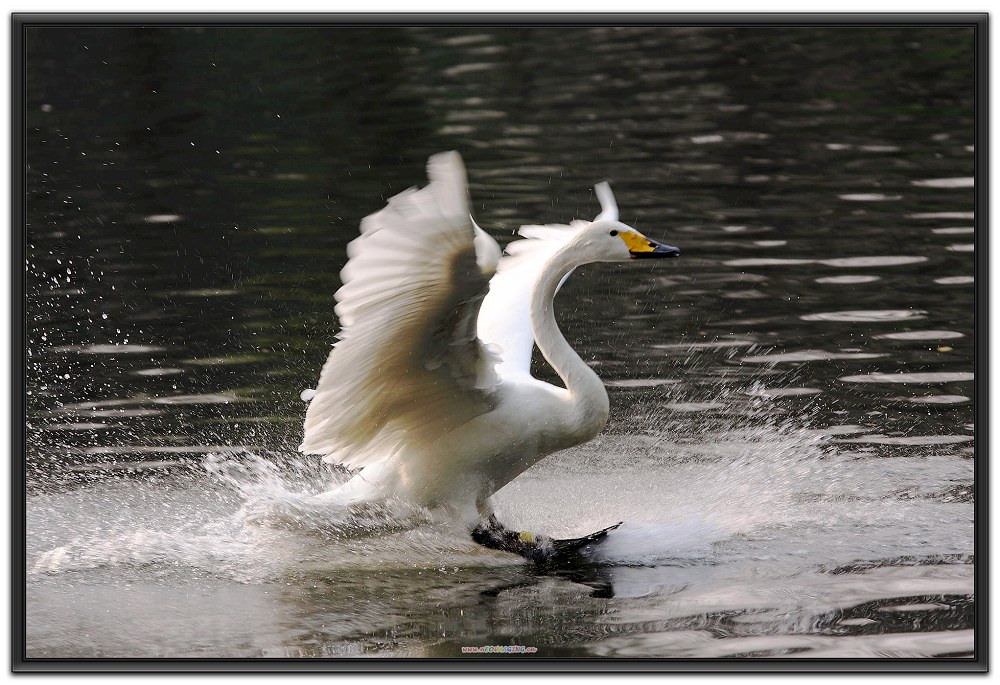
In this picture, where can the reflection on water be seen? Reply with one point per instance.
(791, 436)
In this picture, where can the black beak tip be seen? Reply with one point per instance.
(659, 251)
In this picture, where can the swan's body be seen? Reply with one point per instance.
(429, 388)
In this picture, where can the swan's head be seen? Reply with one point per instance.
(605, 240)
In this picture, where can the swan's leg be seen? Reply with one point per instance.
(494, 535)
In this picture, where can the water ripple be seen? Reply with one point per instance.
(714, 344)
(909, 440)
(810, 355)
(940, 399)
(764, 261)
(922, 335)
(79, 426)
(787, 392)
(158, 372)
(872, 261)
(694, 406)
(640, 382)
(927, 377)
(847, 279)
(163, 218)
(961, 182)
(200, 399)
(942, 215)
(869, 197)
(867, 315)
(847, 262)
(109, 349)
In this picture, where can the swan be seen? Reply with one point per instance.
(428, 389)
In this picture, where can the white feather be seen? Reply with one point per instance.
(408, 362)
(504, 320)
(410, 392)
(609, 207)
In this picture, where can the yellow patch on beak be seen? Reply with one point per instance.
(525, 536)
(641, 247)
(636, 241)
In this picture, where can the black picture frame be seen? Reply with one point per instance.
(20, 22)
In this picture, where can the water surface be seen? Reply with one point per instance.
(791, 441)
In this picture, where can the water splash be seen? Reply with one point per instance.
(280, 492)
(748, 484)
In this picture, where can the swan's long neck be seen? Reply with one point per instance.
(585, 411)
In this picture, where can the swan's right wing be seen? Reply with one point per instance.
(505, 319)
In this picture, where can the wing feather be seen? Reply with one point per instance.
(408, 365)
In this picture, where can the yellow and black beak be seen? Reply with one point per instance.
(641, 247)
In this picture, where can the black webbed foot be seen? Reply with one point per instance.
(539, 549)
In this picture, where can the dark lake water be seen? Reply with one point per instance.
(791, 441)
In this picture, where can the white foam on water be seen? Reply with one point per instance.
(688, 538)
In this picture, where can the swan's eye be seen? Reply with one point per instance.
(614, 233)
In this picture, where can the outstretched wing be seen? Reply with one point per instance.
(504, 319)
(408, 365)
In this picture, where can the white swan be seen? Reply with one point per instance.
(429, 388)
